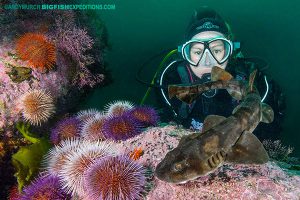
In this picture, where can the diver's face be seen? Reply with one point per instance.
(207, 61)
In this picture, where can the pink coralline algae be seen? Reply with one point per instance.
(245, 182)
(155, 142)
(231, 181)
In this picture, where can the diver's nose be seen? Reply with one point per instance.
(207, 60)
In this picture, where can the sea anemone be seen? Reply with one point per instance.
(77, 162)
(37, 106)
(117, 108)
(115, 178)
(92, 128)
(66, 128)
(85, 115)
(57, 156)
(147, 116)
(121, 127)
(44, 188)
(35, 49)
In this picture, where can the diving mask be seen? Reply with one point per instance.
(207, 52)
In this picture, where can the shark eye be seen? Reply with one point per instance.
(177, 167)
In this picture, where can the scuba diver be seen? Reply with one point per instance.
(209, 43)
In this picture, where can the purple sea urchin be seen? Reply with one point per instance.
(44, 188)
(92, 128)
(117, 108)
(77, 162)
(66, 128)
(118, 178)
(121, 127)
(147, 116)
(37, 106)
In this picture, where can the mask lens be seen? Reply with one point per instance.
(219, 50)
(194, 52)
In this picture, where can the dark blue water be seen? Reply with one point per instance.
(140, 29)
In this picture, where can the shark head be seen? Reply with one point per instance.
(182, 163)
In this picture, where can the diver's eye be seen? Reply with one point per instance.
(216, 51)
(198, 53)
(177, 167)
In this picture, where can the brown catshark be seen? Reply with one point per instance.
(222, 139)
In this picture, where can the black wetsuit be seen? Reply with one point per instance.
(192, 116)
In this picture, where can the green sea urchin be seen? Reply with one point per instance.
(117, 108)
(37, 106)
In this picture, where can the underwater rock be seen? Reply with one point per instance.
(267, 181)
(155, 142)
(245, 182)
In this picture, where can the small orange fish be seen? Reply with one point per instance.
(136, 153)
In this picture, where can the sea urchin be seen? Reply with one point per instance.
(118, 178)
(77, 162)
(44, 188)
(147, 116)
(66, 128)
(37, 106)
(121, 127)
(85, 115)
(118, 108)
(34, 48)
(92, 128)
(56, 157)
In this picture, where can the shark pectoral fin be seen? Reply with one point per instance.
(267, 113)
(235, 94)
(187, 98)
(173, 90)
(218, 73)
(211, 121)
(186, 94)
(247, 150)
